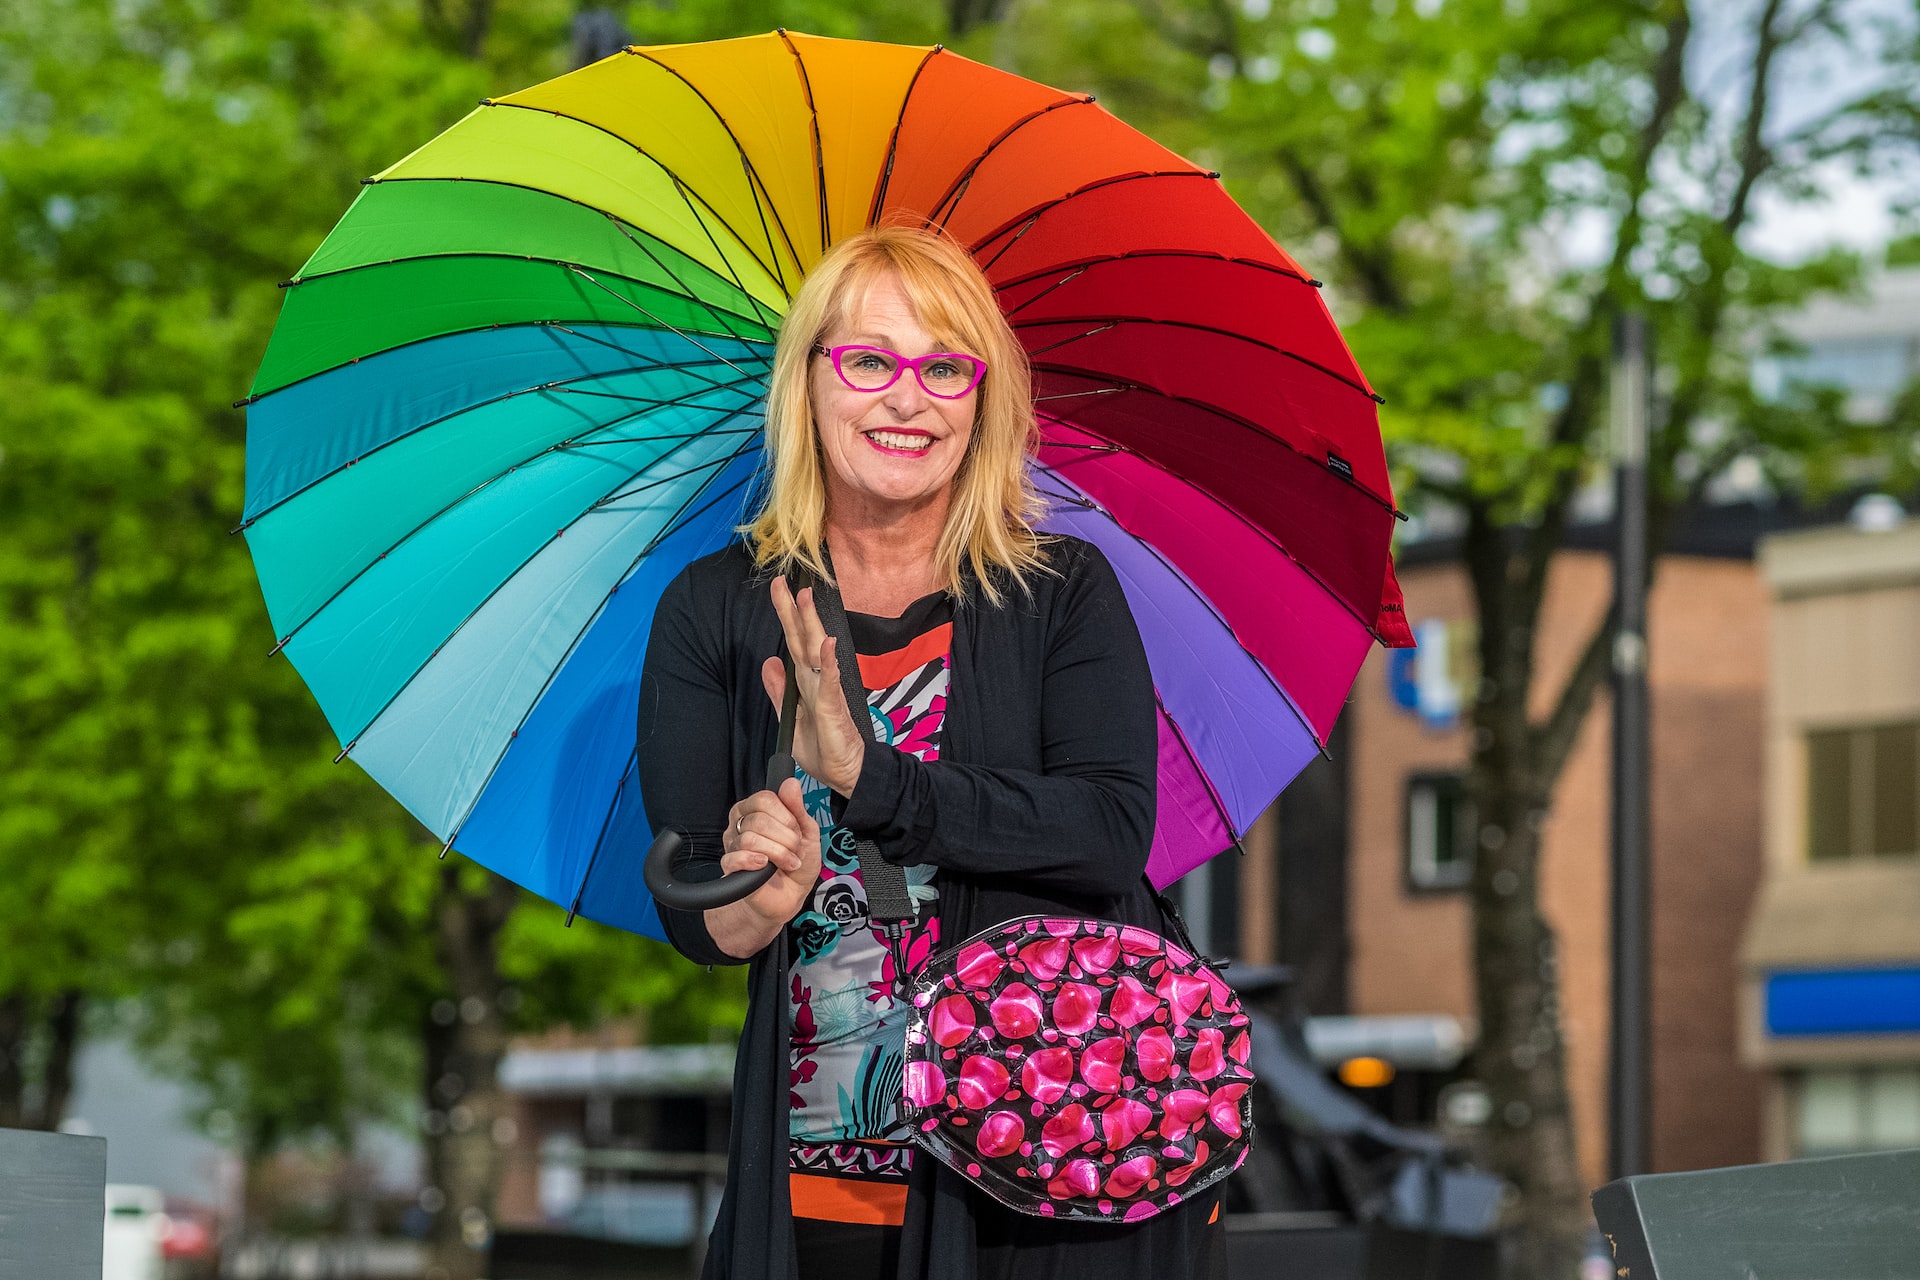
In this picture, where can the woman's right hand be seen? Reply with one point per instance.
(767, 826)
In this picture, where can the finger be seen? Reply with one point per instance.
(770, 816)
(812, 631)
(757, 851)
(742, 860)
(773, 674)
(831, 695)
(793, 804)
(789, 614)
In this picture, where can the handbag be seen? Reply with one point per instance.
(1074, 1069)
(1078, 1069)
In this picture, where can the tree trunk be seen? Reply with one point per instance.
(464, 1035)
(1520, 1057)
(63, 1042)
(1521, 1054)
(13, 1060)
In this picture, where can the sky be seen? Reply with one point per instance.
(1855, 213)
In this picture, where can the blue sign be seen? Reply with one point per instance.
(1431, 680)
(1844, 1002)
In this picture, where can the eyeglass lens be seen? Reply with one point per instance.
(872, 368)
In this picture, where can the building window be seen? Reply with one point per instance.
(1440, 830)
(1875, 366)
(1839, 1110)
(1863, 792)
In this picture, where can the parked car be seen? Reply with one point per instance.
(136, 1232)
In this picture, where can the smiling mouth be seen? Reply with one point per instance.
(900, 442)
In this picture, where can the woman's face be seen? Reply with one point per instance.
(893, 450)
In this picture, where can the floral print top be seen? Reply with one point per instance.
(848, 1021)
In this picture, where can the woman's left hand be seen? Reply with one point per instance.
(827, 742)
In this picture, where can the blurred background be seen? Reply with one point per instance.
(299, 1030)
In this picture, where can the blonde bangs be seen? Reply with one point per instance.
(989, 536)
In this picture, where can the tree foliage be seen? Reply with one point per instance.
(172, 825)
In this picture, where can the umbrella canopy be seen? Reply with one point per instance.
(520, 386)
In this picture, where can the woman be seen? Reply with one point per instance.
(1011, 770)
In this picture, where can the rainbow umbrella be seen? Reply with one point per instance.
(520, 386)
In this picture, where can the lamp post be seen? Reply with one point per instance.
(1629, 1094)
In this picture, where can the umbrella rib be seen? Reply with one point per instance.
(1098, 327)
(772, 269)
(957, 189)
(589, 278)
(1034, 213)
(819, 152)
(688, 367)
(529, 460)
(1076, 270)
(1080, 266)
(1078, 395)
(1110, 322)
(614, 346)
(1072, 275)
(1229, 508)
(879, 201)
(1081, 498)
(1180, 736)
(671, 527)
(605, 503)
(564, 264)
(475, 611)
(687, 293)
(753, 174)
(619, 222)
(766, 319)
(620, 788)
(1225, 415)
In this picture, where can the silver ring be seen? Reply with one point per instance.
(740, 825)
(815, 670)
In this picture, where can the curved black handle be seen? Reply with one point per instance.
(704, 895)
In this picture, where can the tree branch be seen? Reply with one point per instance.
(1373, 267)
(1553, 739)
(1575, 419)
(1754, 158)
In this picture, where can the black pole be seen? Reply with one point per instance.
(1629, 1086)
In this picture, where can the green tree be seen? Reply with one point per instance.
(1430, 160)
(172, 826)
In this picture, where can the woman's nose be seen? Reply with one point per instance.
(906, 397)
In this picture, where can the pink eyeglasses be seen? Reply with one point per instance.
(946, 375)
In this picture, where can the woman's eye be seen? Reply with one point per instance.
(871, 363)
(945, 370)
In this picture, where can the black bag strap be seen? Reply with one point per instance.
(889, 905)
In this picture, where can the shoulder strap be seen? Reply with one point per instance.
(888, 901)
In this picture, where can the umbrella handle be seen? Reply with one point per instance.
(704, 895)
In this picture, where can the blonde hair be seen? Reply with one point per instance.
(989, 532)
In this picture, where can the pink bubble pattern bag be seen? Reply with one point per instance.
(1078, 1069)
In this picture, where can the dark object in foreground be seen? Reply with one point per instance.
(556, 1255)
(1333, 1190)
(1851, 1216)
(53, 1191)
(1281, 1246)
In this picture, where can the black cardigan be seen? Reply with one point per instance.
(1042, 801)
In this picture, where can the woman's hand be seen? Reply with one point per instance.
(768, 826)
(827, 742)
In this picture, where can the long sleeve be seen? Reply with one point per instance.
(684, 750)
(1083, 821)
